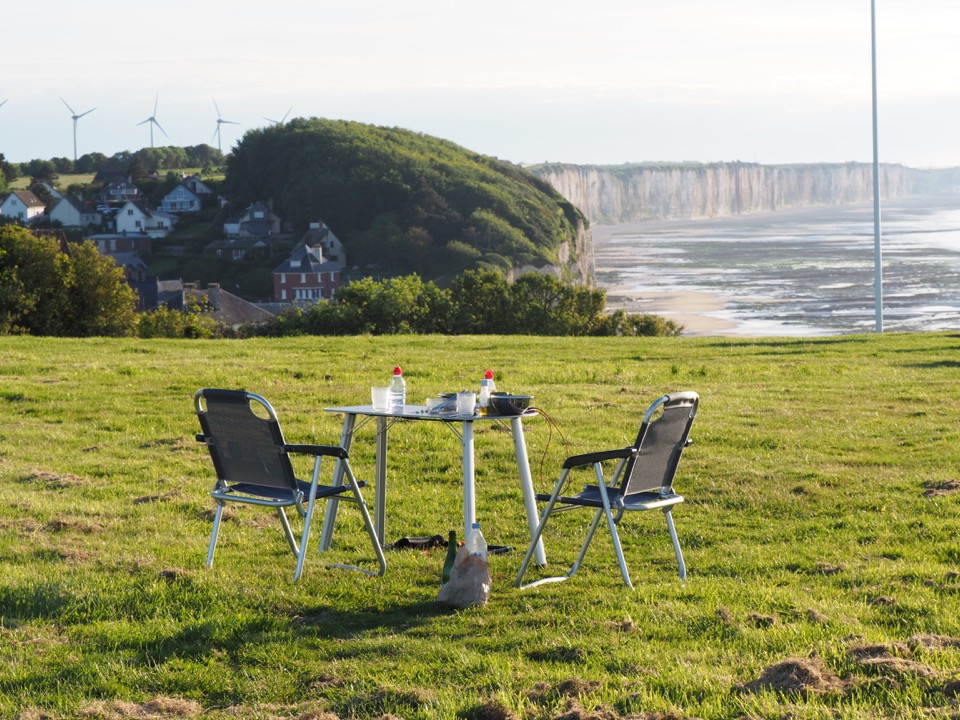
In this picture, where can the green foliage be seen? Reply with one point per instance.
(478, 302)
(45, 291)
(400, 200)
(188, 323)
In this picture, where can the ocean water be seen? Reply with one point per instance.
(794, 272)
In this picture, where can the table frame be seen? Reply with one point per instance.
(385, 419)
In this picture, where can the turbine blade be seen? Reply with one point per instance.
(156, 100)
(4, 102)
(285, 115)
(161, 129)
(68, 107)
(86, 113)
(217, 107)
(144, 122)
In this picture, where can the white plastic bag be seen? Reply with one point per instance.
(469, 582)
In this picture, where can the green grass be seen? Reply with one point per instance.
(821, 528)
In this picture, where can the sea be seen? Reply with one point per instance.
(795, 272)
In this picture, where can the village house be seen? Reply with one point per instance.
(306, 276)
(73, 212)
(187, 197)
(258, 220)
(22, 205)
(235, 248)
(136, 217)
(119, 189)
(320, 236)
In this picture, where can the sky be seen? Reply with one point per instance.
(529, 81)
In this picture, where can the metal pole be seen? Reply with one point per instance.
(877, 249)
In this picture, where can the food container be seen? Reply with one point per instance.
(507, 404)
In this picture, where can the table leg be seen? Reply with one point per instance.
(380, 492)
(330, 516)
(469, 481)
(526, 485)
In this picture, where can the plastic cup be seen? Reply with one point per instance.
(432, 403)
(466, 401)
(380, 397)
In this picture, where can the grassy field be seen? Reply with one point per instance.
(820, 532)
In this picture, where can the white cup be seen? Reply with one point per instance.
(466, 401)
(380, 397)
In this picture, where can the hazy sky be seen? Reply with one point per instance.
(596, 81)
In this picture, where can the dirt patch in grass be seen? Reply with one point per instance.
(933, 642)
(55, 481)
(759, 620)
(162, 707)
(947, 487)
(805, 676)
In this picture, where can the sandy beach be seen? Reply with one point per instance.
(694, 310)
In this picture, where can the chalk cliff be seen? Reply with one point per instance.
(629, 193)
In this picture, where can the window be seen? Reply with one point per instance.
(130, 212)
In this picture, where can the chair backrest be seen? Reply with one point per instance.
(245, 448)
(660, 443)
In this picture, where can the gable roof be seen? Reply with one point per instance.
(28, 198)
(306, 259)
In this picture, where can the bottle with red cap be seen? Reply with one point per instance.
(487, 387)
(398, 391)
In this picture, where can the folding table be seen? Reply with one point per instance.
(461, 425)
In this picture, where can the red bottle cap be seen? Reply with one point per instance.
(488, 374)
(397, 370)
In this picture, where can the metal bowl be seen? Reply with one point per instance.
(507, 404)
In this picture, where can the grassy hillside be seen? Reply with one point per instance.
(403, 201)
(820, 531)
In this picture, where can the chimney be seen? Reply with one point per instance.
(213, 293)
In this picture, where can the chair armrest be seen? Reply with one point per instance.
(201, 437)
(591, 458)
(325, 450)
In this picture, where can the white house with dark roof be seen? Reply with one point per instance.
(22, 205)
(73, 212)
(136, 217)
(181, 200)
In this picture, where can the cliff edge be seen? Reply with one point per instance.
(629, 193)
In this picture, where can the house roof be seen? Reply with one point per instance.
(27, 198)
(228, 308)
(81, 206)
(306, 259)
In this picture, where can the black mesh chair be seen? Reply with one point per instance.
(253, 466)
(642, 480)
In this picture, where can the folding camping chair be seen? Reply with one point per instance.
(253, 466)
(642, 480)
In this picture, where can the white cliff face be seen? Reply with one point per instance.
(620, 194)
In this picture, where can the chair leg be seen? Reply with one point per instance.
(213, 535)
(367, 521)
(618, 548)
(287, 531)
(676, 543)
(537, 534)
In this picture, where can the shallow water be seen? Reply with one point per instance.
(796, 272)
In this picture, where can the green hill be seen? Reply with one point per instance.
(405, 201)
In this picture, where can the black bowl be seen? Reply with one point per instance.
(507, 404)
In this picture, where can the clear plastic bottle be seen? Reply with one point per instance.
(398, 391)
(487, 387)
(476, 543)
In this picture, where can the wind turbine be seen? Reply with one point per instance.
(75, 117)
(282, 121)
(220, 121)
(153, 120)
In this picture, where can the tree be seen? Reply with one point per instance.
(481, 301)
(45, 291)
(101, 301)
(33, 272)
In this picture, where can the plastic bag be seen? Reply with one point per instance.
(469, 582)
